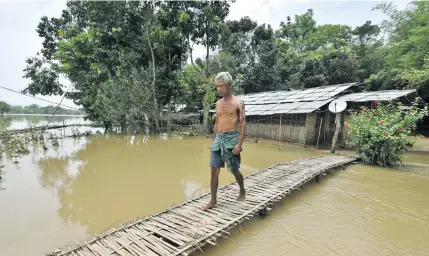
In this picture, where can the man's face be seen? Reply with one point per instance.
(221, 88)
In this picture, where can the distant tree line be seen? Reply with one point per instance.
(36, 109)
(127, 61)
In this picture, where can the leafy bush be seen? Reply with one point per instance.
(380, 135)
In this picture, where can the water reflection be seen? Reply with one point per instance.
(119, 178)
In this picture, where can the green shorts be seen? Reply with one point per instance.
(216, 160)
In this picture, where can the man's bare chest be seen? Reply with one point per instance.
(227, 109)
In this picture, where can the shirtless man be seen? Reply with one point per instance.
(227, 141)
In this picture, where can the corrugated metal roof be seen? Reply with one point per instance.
(311, 94)
(296, 101)
(296, 107)
(377, 95)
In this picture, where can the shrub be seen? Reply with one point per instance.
(380, 135)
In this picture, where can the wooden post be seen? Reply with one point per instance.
(257, 133)
(318, 136)
(310, 128)
(337, 130)
(280, 128)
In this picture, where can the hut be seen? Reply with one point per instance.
(299, 116)
(302, 116)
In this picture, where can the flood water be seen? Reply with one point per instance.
(88, 185)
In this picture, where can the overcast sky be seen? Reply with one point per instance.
(19, 40)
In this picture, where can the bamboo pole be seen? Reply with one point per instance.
(257, 133)
(280, 128)
(318, 136)
(337, 130)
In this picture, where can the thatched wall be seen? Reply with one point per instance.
(283, 127)
(276, 132)
(309, 129)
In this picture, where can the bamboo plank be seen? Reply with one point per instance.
(87, 250)
(172, 233)
(102, 248)
(206, 214)
(153, 246)
(80, 253)
(194, 223)
(142, 244)
(159, 246)
(110, 243)
(178, 227)
(126, 245)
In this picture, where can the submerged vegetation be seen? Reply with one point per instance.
(15, 145)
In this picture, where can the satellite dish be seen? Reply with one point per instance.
(337, 106)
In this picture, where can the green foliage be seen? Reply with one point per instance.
(405, 61)
(4, 108)
(110, 59)
(380, 135)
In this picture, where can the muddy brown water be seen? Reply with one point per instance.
(88, 185)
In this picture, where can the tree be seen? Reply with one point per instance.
(295, 36)
(96, 44)
(407, 50)
(4, 108)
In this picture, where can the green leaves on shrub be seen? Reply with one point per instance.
(380, 135)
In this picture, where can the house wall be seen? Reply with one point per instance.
(310, 129)
(288, 128)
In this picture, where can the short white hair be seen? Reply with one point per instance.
(224, 77)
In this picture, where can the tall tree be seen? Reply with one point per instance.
(95, 43)
(407, 51)
(4, 108)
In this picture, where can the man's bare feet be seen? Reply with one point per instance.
(241, 196)
(210, 205)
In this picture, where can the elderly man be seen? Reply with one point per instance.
(227, 140)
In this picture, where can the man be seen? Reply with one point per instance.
(227, 140)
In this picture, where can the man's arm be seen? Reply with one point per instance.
(242, 117)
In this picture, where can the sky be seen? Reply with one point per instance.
(19, 40)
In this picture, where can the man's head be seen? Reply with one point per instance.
(223, 82)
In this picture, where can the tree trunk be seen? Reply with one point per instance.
(190, 50)
(169, 117)
(337, 130)
(156, 113)
(206, 117)
(207, 49)
(207, 104)
(124, 127)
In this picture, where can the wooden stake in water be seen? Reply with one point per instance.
(337, 130)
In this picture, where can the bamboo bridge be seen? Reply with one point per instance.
(184, 228)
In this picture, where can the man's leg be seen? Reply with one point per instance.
(239, 179)
(214, 182)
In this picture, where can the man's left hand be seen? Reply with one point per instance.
(237, 149)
